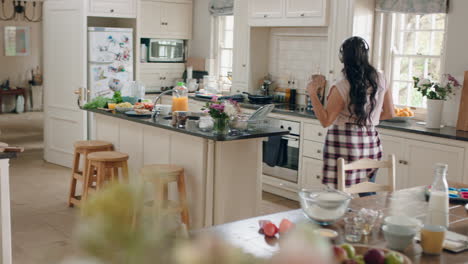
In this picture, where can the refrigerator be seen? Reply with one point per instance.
(110, 60)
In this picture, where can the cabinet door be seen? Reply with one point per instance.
(395, 146)
(176, 20)
(152, 79)
(311, 172)
(150, 19)
(240, 66)
(266, 8)
(422, 156)
(304, 8)
(112, 8)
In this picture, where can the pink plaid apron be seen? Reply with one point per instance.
(350, 142)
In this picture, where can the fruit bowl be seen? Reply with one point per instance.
(400, 119)
(362, 249)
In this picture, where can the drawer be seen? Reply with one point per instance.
(312, 171)
(312, 149)
(314, 132)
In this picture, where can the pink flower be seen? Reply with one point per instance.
(214, 99)
(218, 107)
(453, 80)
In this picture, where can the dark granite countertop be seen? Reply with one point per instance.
(160, 122)
(408, 126)
(7, 155)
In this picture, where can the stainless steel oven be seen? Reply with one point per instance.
(287, 169)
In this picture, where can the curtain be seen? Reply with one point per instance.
(221, 7)
(412, 6)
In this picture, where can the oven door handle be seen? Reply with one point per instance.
(290, 138)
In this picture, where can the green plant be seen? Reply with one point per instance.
(117, 98)
(436, 90)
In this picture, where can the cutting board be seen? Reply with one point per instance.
(462, 123)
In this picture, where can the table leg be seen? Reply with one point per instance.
(25, 99)
(5, 211)
(1, 104)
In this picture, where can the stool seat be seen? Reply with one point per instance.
(92, 145)
(163, 170)
(108, 156)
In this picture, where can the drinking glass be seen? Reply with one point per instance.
(369, 218)
(353, 228)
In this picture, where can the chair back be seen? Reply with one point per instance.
(364, 164)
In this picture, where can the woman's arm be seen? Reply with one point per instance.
(388, 111)
(335, 104)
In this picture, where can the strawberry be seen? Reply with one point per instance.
(270, 229)
(285, 226)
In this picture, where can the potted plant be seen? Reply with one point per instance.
(222, 112)
(436, 93)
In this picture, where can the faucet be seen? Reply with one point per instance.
(157, 111)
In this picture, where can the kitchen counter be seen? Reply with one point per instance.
(160, 122)
(411, 126)
(7, 155)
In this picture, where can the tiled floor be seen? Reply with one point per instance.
(42, 224)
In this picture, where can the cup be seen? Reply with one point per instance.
(432, 239)
(181, 118)
(353, 228)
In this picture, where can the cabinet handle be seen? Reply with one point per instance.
(302, 15)
(320, 134)
(265, 16)
(112, 10)
(403, 162)
(319, 151)
(318, 177)
(330, 71)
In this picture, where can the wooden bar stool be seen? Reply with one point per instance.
(160, 176)
(107, 165)
(83, 148)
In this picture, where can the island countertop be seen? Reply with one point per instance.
(166, 124)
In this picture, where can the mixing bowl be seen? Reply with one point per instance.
(324, 205)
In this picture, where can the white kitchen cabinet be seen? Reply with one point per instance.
(157, 75)
(241, 48)
(288, 13)
(112, 8)
(159, 19)
(395, 146)
(311, 172)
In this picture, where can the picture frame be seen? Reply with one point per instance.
(17, 41)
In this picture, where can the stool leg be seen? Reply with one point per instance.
(100, 176)
(86, 176)
(76, 164)
(183, 198)
(115, 174)
(125, 171)
(89, 173)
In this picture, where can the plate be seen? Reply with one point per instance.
(399, 119)
(362, 249)
(123, 109)
(135, 114)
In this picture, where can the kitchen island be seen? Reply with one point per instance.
(223, 174)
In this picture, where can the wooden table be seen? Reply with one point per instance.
(17, 91)
(244, 234)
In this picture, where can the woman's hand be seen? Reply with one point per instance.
(318, 82)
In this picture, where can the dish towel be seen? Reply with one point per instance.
(275, 151)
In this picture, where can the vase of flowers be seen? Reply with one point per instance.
(436, 93)
(222, 112)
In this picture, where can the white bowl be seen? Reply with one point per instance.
(399, 223)
(163, 109)
(398, 240)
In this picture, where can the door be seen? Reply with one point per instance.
(312, 171)
(177, 20)
(396, 146)
(422, 156)
(64, 28)
(150, 19)
(266, 8)
(305, 8)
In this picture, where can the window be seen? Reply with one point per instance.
(416, 50)
(225, 45)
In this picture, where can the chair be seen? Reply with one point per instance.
(84, 148)
(160, 176)
(366, 164)
(107, 165)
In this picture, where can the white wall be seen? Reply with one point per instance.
(456, 55)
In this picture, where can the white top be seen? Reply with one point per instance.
(344, 116)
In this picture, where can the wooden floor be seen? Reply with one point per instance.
(42, 224)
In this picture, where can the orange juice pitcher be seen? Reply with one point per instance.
(180, 98)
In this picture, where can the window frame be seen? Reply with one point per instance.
(219, 44)
(385, 54)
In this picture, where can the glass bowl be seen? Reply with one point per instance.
(324, 205)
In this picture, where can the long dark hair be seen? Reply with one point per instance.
(362, 76)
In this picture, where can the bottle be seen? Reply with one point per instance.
(438, 211)
(180, 98)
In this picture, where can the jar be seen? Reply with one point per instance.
(180, 98)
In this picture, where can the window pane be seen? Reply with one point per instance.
(229, 23)
(401, 90)
(438, 43)
(416, 99)
(407, 44)
(439, 21)
(400, 69)
(423, 43)
(417, 67)
(408, 21)
(228, 39)
(226, 58)
(425, 22)
(433, 68)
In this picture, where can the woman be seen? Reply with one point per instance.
(355, 105)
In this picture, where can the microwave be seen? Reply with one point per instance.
(166, 50)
